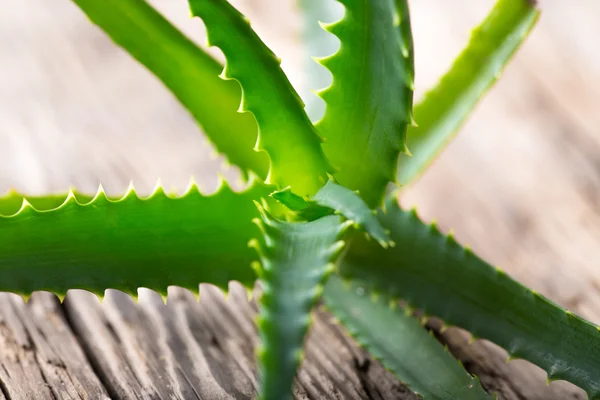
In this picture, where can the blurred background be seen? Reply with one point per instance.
(521, 183)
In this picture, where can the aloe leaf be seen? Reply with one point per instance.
(333, 198)
(291, 200)
(400, 343)
(349, 204)
(443, 109)
(187, 70)
(316, 43)
(12, 202)
(127, 243)
(369, 103)
(433, 272)
(285, 131)
(295, 259)
(300, 208)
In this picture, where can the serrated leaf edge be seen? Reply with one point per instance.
(513, 350)
(376, 296)
(73, 196)
(244, 107)
(404, 32)
(265, 224)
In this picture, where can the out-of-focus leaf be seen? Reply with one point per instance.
(187, 70)
(439, 115)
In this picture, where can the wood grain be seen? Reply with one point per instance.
(40, 357)
(205, 350)
(521, 185)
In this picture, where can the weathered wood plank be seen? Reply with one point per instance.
(520, 185)
(188, 349)
(130, 369)
(517, 379)
(40, 357)
(334, 366)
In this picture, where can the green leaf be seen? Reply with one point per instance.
(128, 243)
(295, 259)
(285, 132)
(292, 200)
(433, 272)
(12, 202)
(184, 68)
(300, 208)
(316, 43)
(443, 110)
(349, 204)
(333, 198)
(401, 343)
(370, 100)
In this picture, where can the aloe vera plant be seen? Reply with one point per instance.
(319, 219)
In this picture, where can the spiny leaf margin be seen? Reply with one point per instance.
(445, 107)
(131, 242)
(433, 272)
(187, 71)
(368, 105)
(295, 260)
(285, 131)
(316, 43)
(396, 338)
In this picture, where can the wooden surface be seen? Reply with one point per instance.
(521, 185)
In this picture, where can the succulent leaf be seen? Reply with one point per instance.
(295, 259)
(333, 198)
(316, 43)
(444, 108)
(370, 100)
(433, 272)
(285, 131)
(300, 208)
(99, 243)
(400, 343)
(187, 70)
(349, 204)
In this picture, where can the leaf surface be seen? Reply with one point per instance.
(444, 108)
(132, 242)
(349, 204)
(316, 43)
(369, 103)
(433, 272)
(187, 70)
(295, 259)
(285, 131)
(333, 198)
(400, 343)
